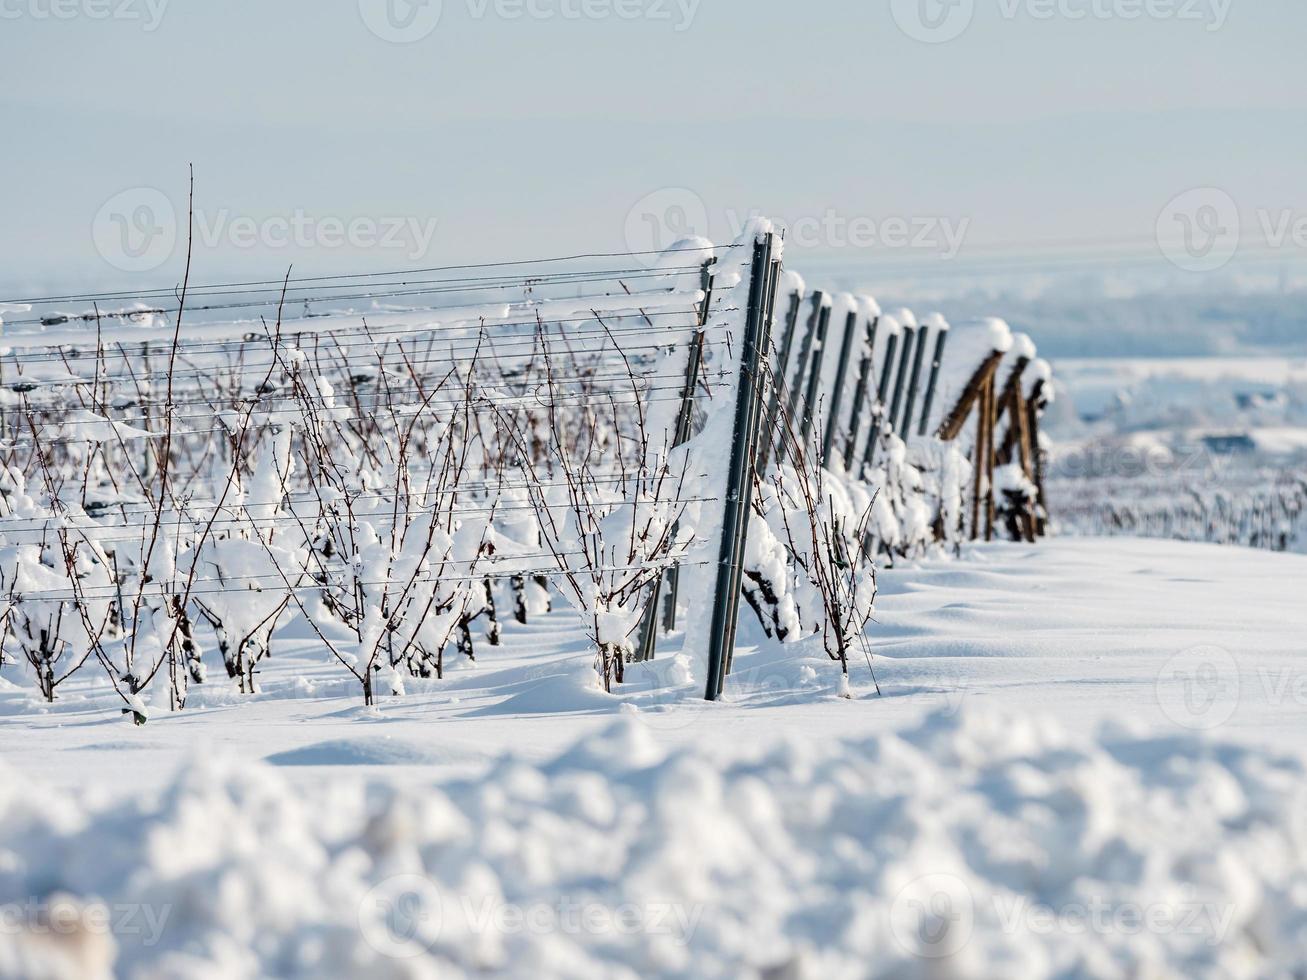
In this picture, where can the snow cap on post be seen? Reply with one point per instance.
(1022, 349)
(889, 327)
(686, 256)
(935, 322)
(907, 319)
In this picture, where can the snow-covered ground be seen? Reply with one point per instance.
(515, 821)
(1079, 628)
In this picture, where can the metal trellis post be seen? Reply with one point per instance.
(837, 395)
(744, 454)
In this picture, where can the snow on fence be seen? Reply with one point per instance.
(645, 439)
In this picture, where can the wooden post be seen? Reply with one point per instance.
(990, 424)
(1032, 417)
(1018, 421)
(957, 418)
(978, 462)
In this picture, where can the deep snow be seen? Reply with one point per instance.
(785, 833)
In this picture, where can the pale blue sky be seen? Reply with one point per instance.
(534, 136)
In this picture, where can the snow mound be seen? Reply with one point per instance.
(356, 752)
(971, 845)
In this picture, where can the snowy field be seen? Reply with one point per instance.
(1086, 760)
(1082, 757)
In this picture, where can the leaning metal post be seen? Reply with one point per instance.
(900, 380)
(744, 454)
(860, 395)
(905, 428)
(935, 363)
(800, 370)
(778, 379)
(814, 378)
(837, 395)
(882, 391)
(754, 439)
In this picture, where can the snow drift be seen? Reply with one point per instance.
(971, 845)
